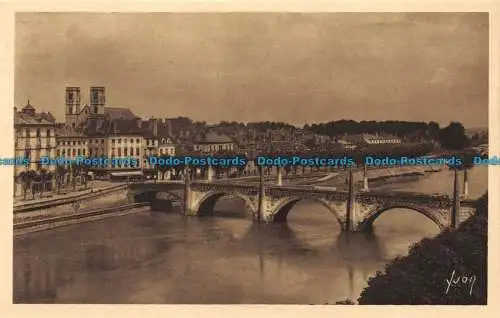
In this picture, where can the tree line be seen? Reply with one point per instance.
(450, 137)
(43, 181)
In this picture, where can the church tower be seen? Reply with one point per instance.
(73, 99)
(97, 100)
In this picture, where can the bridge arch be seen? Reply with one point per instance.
(150, 195)
(281, 211)
(206, 204)
(367, 220)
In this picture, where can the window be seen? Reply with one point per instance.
(38, 132)
(119, 141)
(112, 141)
(58, 152)
(74, 143)
(79, 152)
(83, 152)
(131, 140)
(131, 151)
(137, 151)
(28, 133)
(119, 152)
(64, 152)
(125, 152)
(48, 132)
(137, 140)
(74, 152)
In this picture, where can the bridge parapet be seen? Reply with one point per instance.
(246, 189)
(400, 197)
(307, 193)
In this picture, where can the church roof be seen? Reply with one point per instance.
(119, 113)
(106, 126)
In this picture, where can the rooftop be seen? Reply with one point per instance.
(114, 113)
(29, 116)
(212, 137)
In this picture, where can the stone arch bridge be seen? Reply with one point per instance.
(271, 203)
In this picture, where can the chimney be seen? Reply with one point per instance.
(115, 127)
(168, 125)
(139, 122)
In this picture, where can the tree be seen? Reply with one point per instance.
(50, 176)
(75, 171)
(453, 136)
(31, 177)
(60, 176)
(420, 278)
(23, 177)
(43, 179)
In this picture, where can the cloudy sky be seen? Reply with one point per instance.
(297, 68)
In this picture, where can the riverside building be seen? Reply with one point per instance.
(34, 137)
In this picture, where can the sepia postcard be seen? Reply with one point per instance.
(328, 155)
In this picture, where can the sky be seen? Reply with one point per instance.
(297, 68)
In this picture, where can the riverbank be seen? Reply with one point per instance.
(67, 193)
(379, 176)
(421, 277)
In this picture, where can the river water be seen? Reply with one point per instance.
(155, 257)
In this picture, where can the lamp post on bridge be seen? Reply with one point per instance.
(279, 176)
(187, 191)
(350, 203)
(455, 210)
(261, 193)
(465, 192)
(365, 179)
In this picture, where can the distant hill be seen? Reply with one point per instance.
(476, 130)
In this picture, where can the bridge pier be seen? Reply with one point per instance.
(187, 194)
(465, 192)
(455, 209)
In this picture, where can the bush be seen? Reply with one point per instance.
(421, 277)
(345, 302)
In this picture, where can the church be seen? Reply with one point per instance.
(94, 130)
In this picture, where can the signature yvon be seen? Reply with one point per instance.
(464, 281)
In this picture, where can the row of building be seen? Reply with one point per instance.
(95, 130)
